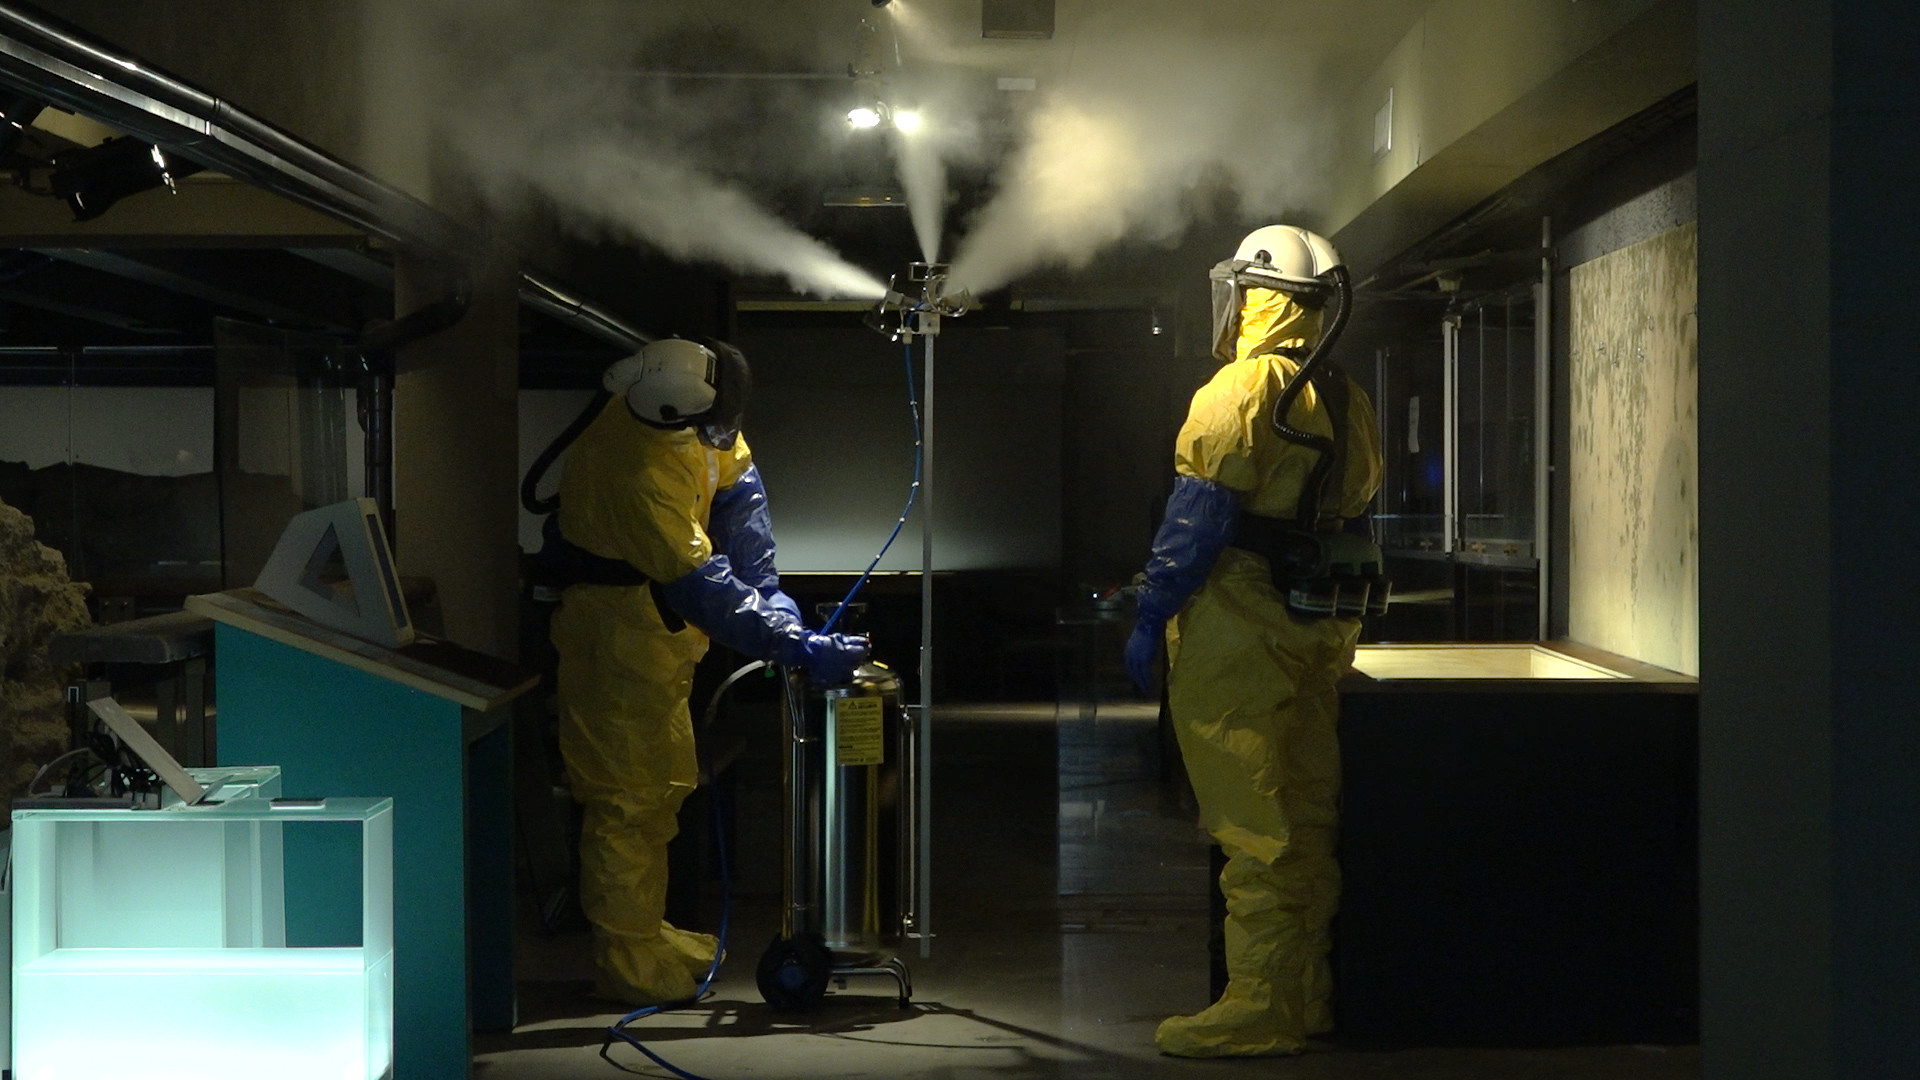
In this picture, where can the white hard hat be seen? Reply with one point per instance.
(1287, 254)
(1286, 258)
(668, 382)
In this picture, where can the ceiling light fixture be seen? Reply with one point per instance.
(17, 110)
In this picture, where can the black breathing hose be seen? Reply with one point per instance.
(530, 484)
(1315, 487)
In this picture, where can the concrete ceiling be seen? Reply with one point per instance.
(824, 35)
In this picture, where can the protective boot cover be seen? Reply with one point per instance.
(1252, 691)
(643, 495)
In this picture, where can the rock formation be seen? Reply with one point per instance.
(37, 601)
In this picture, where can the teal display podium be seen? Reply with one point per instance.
(427, 724)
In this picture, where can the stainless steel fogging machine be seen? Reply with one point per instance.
(858, 762)
(851, 866)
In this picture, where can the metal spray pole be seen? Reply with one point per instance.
(929, 327)
(921, 318)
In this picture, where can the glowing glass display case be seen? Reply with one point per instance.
(159, 937)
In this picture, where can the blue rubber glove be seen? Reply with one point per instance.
(742, 530)
(739, 617)
(1143, 653)
(1199, 523)
(832, 659)
(782, 602)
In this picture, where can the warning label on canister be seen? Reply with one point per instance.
(858, 731)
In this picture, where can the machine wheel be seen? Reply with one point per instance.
(793, 972)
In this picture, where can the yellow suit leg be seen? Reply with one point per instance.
(627, 740)
(1255, 706)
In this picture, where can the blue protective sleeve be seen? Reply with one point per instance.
(742, 530)
(736, 615)
(1200, 522)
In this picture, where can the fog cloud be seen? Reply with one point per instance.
(1132, 141)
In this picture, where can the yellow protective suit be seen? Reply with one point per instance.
(1252, 694)
(640, 494)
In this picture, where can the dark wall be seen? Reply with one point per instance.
(1052, 450)
(1808, 164)
(833, 435)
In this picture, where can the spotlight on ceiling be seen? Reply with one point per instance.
(864, 116)
(907, 121)
(93, 179)
(16, 112)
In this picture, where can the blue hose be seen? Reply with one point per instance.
(615, 1031)
(913, 493)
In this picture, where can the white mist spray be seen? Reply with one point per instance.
(923, 176)
(939, 123)
(1119, 149)
(614, 187)
(547, 113)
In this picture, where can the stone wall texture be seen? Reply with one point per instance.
(1634, 555)
(37, 601)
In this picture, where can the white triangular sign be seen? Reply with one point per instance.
(313, 547)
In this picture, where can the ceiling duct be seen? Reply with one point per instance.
(1029, 20)
(54, 63)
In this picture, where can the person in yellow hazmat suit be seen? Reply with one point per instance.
(664, 541)
(1257, 579)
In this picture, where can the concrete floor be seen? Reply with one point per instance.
(1070, 915)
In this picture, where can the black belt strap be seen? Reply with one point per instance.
(564, 563)
(1260, 534)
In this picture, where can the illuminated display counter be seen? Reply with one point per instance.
(155, 942)
(1518, 846)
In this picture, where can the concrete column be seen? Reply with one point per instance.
(456, 438)
(1810, 746)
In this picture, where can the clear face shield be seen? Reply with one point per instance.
(1229, 281)
(1229, 291)
(733, 384)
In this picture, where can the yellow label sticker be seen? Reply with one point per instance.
(859, 733)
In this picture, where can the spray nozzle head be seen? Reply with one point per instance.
(951, 301)
(890, 302)
(918, 314)
(937, 293)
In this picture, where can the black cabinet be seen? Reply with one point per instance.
(1519, 859)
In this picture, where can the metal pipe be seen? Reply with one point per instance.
(379, 346)
(53, 62)
(102, 350)
(377, 399)
(1450, 431)
(799, 880)
(1542, 426)
(835, 804)
(923, 825)
(50, 60)
(1383, 498)
(573, 311)
(907, 884)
